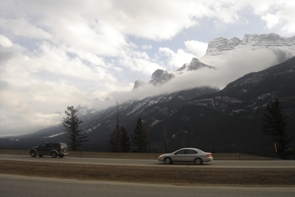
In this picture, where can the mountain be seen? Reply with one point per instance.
(99, 124)
(227, 120)
(230, 120)
(223, 52)
(222, 49)
(160, 76)
(272, 41)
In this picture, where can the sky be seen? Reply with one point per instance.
(55, 54)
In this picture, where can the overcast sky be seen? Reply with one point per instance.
(54, 54)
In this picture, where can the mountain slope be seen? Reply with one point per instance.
(230, 120)
(99, 124)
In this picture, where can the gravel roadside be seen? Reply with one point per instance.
(169, 175)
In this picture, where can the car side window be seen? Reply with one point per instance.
(180, 152)
(43, 145)
(191, 152)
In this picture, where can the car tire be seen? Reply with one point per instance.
(53, 155)
(33, 153)
(198, 161)
(40, 155)
(167, 160)
(61, 156)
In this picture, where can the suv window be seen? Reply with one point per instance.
(48, 145)
(43, 145)
(55, 145)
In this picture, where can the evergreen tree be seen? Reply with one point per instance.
(275, 125)
(165, 140)
(114, 142)
(124, 140)
(140, 137)
(71, 124)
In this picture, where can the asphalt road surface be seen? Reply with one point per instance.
(154, 162)
(11, 185)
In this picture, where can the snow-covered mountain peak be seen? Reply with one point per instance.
(223, 53)
(221, 46)
(195, 64)
(161, 76)
(267, 40)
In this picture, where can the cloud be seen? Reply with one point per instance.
(196, 47)
(235, 66)
(59, 53)
(5, 42)
(175, 59)
(21, 27)
(146, 47)
(275, 13)
(271, 20)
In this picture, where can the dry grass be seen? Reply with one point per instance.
(169, 175)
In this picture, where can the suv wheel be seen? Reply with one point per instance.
(33, 153)
(53, 154)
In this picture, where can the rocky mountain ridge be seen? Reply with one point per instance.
(218, 50)
(254, 41)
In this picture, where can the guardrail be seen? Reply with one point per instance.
(216, 156)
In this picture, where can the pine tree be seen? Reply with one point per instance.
(275, 125)
(165, 140)
(124, 140)
(71, 124)
(140, 137)
(114, 142)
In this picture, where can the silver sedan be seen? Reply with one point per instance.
(186, 155)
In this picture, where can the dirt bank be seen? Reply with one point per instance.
(167, 175)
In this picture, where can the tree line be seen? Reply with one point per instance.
(120, 141)
(274, 124)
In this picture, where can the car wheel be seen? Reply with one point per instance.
(167, 160)
(198, 161)
(61, 156)
(40, 155)
(53, 154)
(33, 153)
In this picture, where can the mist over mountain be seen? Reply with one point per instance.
(215, 102)
(225, 60)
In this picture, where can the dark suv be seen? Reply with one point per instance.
(51, 149)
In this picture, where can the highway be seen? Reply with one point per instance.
(154, 162)
(12, 185)
(15, 185)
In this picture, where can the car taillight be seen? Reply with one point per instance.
(60, 150)
(208, 155)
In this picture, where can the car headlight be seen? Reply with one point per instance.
(160, 156)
